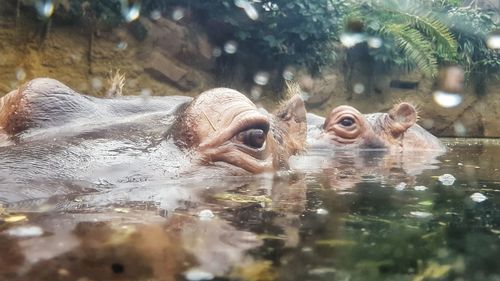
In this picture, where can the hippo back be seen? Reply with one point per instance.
(48, 103)
(65, 142)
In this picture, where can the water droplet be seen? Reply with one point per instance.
(122, 45)
(421, 215)
(146, 94)
(358, 88)
(231, 47)
(15, 218)
(178, 14)
(261, 78)
(374, 42)
(447, 100)
(460, 129)
(25, 231)
(206, 215)
(400, 186)
(75, 57)
(351, 39)
(420, 188)
(322, 212)
(63, 272)
(122, 210)
(427, 123)
(307, 249)
(288, 74)
(478, 197)
(248, 8)
(20, 74)
(321, 271)
(493, 41)
(155, 15)
(451, 79)
(195, 274)
(96, 84)
(130, 11)
(256, 92)
(217, 52)
(447, 179)
(44, 8)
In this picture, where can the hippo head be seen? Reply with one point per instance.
(347, 127)
(221, 126)
(394, 130)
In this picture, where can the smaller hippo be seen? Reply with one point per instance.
(346, 127)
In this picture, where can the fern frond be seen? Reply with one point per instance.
(431, 27)
(415, 46)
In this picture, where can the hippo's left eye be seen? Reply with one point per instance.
(347, 121)
(254, 138)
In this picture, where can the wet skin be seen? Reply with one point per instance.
(345, 127)
(54, 138)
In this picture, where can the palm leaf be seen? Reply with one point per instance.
(415, 46)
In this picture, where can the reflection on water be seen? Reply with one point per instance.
(340, 215)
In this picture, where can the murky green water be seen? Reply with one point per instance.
(338, 216)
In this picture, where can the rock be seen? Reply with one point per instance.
(164, 69)
(489, 108)
(323, 88)
(185, 44)
(167, 35)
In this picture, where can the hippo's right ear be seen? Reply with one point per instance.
(403, 116)
(291, 119)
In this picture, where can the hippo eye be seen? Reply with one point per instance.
(347, 121)
(254, 138)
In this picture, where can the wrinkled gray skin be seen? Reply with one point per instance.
(56, 141)
(71, 143)
(347, 128)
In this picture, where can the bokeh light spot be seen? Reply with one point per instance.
(447, 100)
(358, 88)
(178, 14)
(130, 11)
(459, 129)
(248, 8)
(45, 8)
(261, 78)
(493, 41)
(231, 47)
(350, 40)
(20, 74)
(155, 15)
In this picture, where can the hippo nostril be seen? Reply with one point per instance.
(253, 137)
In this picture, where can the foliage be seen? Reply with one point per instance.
(413, 36)
(105, 12)
(421, 35)
(471, 27)
(285, 32)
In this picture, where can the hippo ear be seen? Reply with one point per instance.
(403, 116)
(291, 120)
(293, 108)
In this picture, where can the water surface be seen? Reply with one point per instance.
(338, 215)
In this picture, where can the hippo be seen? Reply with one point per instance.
(345, 127)
(55, 140)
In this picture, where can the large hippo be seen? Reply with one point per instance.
(55, 140)
(346, 127)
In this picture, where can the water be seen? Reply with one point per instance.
(340, 215)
